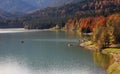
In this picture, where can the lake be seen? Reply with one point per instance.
(45, 52)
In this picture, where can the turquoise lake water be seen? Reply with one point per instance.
(44, 52)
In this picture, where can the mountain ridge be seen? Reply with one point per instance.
(25, 6)
(50, 16)
(58, 15)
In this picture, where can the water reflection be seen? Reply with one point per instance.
(15, 65)
(73, 34)
(11, 65)
(102, 59)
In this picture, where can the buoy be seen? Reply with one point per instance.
(22, 41)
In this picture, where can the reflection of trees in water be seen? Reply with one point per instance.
(72, 33)
(102, 59)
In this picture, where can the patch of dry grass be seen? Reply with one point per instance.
(115, 67)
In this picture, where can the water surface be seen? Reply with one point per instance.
(44, 52)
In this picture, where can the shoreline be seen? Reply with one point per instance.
(88, 45)
(20, 29)
(113, 68)
(17, 30)
(12, 29)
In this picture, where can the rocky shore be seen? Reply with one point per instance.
(88, 45)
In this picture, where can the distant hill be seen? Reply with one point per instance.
(25, 6)
(14, 6)
(54, 3)
(51, 16)
(4, 14)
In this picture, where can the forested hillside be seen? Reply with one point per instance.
(106, 30)
(50, 16)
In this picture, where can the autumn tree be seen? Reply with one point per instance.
(113, 25)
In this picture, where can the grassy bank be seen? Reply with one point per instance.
(115, 52)
(115, 67)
